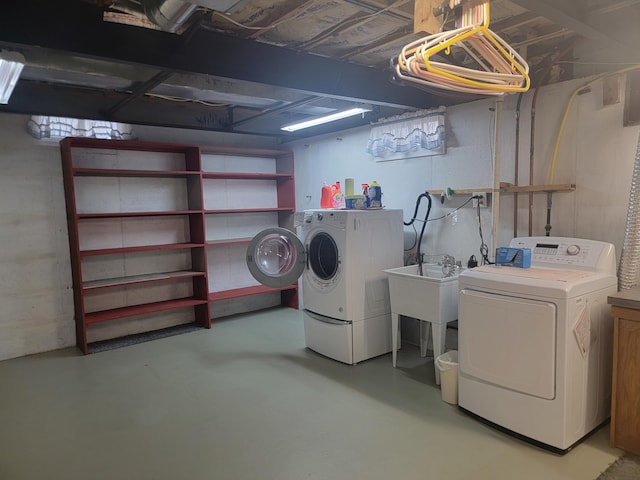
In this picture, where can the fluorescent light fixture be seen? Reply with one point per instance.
(11, 64)
(327, 118)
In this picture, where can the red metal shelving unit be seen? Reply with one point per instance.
(284, 189)
(104, 161)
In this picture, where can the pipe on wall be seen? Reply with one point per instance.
(543, 77)
(496, 176)
(516, 166)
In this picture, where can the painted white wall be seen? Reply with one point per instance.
(596, 153)
(467, 164)
(36, 293)
(35, 276)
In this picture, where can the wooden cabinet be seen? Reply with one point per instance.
(142, 223)
(625, 401)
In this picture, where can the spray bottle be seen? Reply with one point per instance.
(375, 194)
(365, 192)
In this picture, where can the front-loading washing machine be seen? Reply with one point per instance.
(341, 256)
(535, 344)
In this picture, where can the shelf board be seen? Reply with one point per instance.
(228, 241)
(142, 248)
(250, 210)
(123, 312)
(131, 145)
(562, 187)
(463, 191)
(244, 152)
(243, 292)
(246, 176)
(137, 214)
(134, 279)
(114, 172)
(506, 187)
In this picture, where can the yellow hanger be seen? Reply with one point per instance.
(501, 69)
(492, 80)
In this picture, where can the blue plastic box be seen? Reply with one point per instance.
(513, 257)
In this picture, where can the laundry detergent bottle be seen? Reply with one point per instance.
(337, 198)
(326, 199)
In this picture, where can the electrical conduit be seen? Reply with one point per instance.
(496, 177)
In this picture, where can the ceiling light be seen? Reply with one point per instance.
(327, 118)
(11, 64)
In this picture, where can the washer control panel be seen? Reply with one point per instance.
(325, 217)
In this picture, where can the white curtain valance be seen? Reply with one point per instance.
(410, 135)
(61, 127)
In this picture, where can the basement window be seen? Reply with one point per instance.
(44, 127)
(415, 134)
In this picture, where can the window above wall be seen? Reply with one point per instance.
(43, 127)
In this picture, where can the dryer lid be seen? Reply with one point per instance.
(535, 281)
(276, 257)
(551, 274)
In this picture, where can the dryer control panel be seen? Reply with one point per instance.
(565, 252)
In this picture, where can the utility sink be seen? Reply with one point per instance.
(431, 298)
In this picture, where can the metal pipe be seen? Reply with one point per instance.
(543, 77)
(516, 164)
(532, 137)
(547, 227)
(169, 15)
(496, 175)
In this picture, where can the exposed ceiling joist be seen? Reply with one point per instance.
(78, 28)
(34, 98)
(613, 6)
(146, 87)
(572, 19)
(254, 65)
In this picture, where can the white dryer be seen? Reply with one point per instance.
(341, 255)
(535, 344)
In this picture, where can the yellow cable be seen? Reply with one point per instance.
(566, 114)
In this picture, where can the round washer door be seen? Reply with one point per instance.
(323, 257)
(276, 257)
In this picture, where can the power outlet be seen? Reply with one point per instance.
(481, 198)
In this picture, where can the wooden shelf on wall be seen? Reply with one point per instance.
(462, 191)
(562, 187)
(506, 187)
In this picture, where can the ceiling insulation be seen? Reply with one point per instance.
(253, 65)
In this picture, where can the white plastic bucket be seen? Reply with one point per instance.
(447, 365)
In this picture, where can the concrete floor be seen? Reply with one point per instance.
(246, 400)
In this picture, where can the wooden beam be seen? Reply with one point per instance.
(424, 20)
(510, 188)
